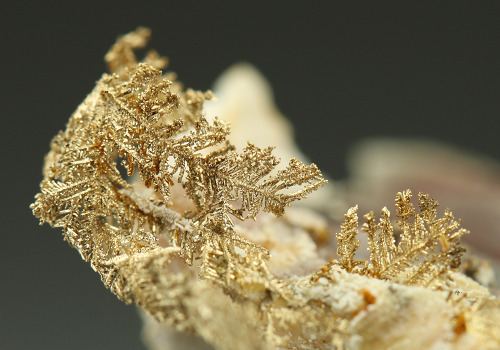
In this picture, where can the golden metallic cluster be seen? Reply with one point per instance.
(134, 117)
(147, 188)
(428, 248)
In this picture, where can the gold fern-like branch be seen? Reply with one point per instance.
(428, 246)
(134, 117)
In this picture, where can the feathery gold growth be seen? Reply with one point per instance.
(135, 118)
(164, 237)
(428, 246)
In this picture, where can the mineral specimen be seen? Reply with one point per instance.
(155, 196)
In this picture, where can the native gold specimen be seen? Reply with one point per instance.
(172, 238)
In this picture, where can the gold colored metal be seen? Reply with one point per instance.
(179, 257)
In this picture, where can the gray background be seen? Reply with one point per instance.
(341, 71)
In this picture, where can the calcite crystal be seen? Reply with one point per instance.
(172, 234)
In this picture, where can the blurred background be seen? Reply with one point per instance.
(341, 71)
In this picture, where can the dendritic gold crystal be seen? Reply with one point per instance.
(428, 246)
(169, 235)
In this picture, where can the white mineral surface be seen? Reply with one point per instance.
(384, 314)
